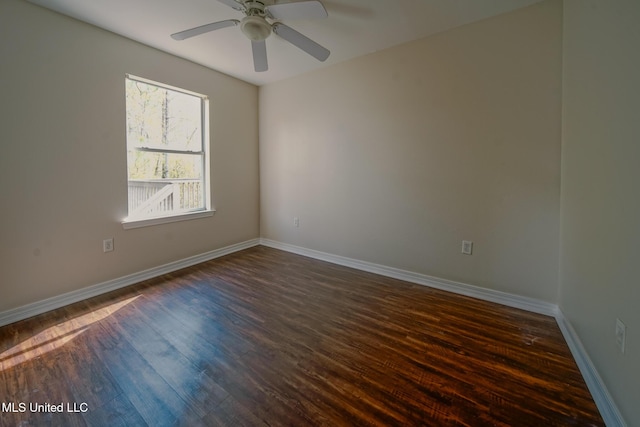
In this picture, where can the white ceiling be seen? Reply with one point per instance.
(353, 28)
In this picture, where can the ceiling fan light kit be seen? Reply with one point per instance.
(256, 26)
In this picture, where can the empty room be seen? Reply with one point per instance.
(333, 212)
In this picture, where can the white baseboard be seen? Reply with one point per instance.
(607, 407)
(29, 310)
(516, 301)
(602, 398)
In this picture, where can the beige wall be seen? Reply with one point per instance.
(63, 161)
(600, 255)
(396, 157)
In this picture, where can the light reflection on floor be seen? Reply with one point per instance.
(56, 336)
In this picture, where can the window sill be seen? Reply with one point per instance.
(147, 222)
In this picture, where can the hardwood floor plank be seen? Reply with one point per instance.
(265, 337)
(231, 413)
(192, 384)
(85, 375)
(118, 412)
(155, 401)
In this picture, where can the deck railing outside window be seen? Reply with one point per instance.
(158, 197)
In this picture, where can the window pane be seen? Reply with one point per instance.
(165, 150)
(164, 183)
(162, 118)
(146, 165)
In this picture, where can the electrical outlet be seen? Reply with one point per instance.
(621, 334)
(107, 245)
(467, 247)
(296, 221)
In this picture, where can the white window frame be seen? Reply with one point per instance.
(207, 210)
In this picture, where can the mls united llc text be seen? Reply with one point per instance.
(44, 407)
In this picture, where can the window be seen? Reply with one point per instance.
(167, 153)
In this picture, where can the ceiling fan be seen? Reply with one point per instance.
(261, 20)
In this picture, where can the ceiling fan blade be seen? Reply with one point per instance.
(204, 29)
(233, 4)
(259, 55)
(301, 41)
(300, 10)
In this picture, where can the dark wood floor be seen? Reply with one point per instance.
(264, 337)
